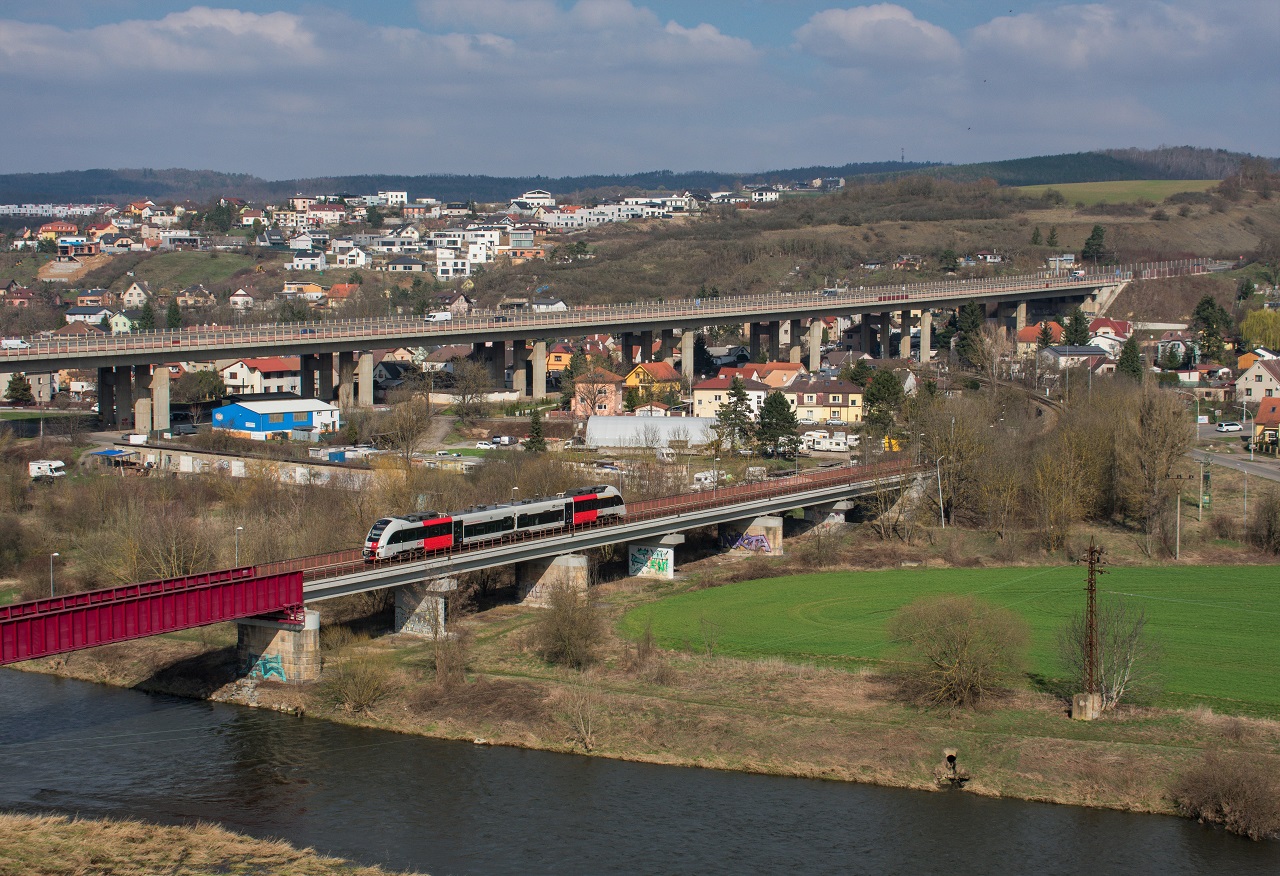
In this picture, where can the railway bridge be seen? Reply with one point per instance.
(130, 383)
(279, 636)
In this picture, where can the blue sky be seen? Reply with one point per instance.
(293, 88)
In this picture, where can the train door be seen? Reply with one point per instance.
(457, 533)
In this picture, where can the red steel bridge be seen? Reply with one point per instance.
(279, 590)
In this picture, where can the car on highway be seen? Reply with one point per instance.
(1228, 426)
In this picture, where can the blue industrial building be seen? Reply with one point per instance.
(301, 418)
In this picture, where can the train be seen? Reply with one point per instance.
(431, 531)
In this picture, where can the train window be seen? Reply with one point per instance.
(542, 518)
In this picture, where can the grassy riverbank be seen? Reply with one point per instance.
(55, 846)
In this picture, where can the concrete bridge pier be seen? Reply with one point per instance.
(759, 535)
(687, 339)
(107, 397)
(420, 607)
(654, 557)
(346, 379)
(142, 398)
(886, 334)
(646, 345)
(755, 342)
(667, 346)
(539, 369)
(365, 399)
(160, 380)
(926, 335)
(536, 579)
(904, 343)
(865, 333)
(273, 651)
(815, 344)
(774, 330)
(628, 345)
(520, 368)
(307, 373)
(326, 377)
(124, 395)
(795, 352)
(828, 515)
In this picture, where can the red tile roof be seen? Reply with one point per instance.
(1031, 333)
(274, 363)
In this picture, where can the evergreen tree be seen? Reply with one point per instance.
(777, 429)
(173, 316)
(1212, 323)
(1172, 358)
(1035, 237)
(373, 216)
(1246, 290)
(859, 373)
(1053, 236)
(882, 399)
(1093, 247)
(969, 326)
(735, 415)
(1045, 338)
(1076, 331)
(631, 399)
(19, 390)
(146, 320)
(702, 361)
(1130, 363)
(535, 443)
(578, 363)
(950, 261)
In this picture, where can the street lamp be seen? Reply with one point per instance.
(715, 473)
(239, 529)
(942, 513)
(514, 490)
(51, 556)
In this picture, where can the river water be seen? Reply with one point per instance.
(455, 808)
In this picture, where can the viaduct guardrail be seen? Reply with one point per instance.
(138, 348)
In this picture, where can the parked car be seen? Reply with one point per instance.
(486, 445)
(1229, 426)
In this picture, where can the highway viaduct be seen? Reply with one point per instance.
(127, 364)
(279, 637)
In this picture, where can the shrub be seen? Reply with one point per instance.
(1232, 789)
(960, 649)
(356, 684)
(569, 630)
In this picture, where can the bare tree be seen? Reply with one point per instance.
(471, 384)
(1061, 488)
(960, 650)
(405, 425)
(1127, 657)
(1151, 442)
(992, 347)
(570, 629)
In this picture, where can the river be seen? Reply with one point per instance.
(456, 808)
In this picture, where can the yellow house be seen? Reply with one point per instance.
(824, 400)
(653, 379)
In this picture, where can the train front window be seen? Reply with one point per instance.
(378, 529)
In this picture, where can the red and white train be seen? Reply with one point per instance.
(433, 531)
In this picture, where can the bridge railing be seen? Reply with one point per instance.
(727, 308)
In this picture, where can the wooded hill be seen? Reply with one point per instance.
(1182, 162)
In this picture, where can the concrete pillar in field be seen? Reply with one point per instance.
(761, 535)
(326, 377)
(775, 340)
(160, 399)
(539, 369)
(815, 345)
(366, 380)
(755, 342)
(420, 607)
(904, 344)
(687, 339)
(667, 345)
(274, 651)
(124, 395)
(536, 578)
(866, 333)
(886, 335)
(520, 368)
(142, 416)
(346, 379)
(307, 375)
(926, 335)
(107, 397)
(628, 343)
(654, 557)
(646, 345)
(1020, 316)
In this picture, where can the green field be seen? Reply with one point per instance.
(177, 270)
(1217, 625)
(1121, 191)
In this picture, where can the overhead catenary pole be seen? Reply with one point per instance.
(1091, 618)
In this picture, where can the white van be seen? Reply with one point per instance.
(438, 316)
(13, 344)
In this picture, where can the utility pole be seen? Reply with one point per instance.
(1088, 705)
(1177, 545)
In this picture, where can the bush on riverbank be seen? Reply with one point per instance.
(1235, 789)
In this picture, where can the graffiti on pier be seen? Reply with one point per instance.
(734, 541)
(650, 561)
(267, 666)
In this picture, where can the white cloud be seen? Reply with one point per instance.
(867, 35)
(496, 16)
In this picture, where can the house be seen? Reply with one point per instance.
(309, 240)
(57, 228)
(250, 216)
(137, 294)
(774, 375)
(1266, 425)
(92, 315)
(406, 264)
(653, 409)
(537, 198)
(709, 395)
(825, 399)
(124, 322)
(1181, 341)
(79, 329)
(354, 257)
(1110, 343)
(96, 230)
(1260, 380)
(20, 298)
(195, 296)
(389, 374)
(1061, 262)
(95, 298)
(261, 420)
(268, 374)
(44, 385)
(548, 305)
(307, 261)
(272, 237)
(597, 392)
(653, 380)
(442, 358)
(456, 303)
(1027, 340)
(72, 249)
(242, 301)
(340, 293)
(987, 257)
(1116, 328)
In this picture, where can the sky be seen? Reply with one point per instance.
(291, 89)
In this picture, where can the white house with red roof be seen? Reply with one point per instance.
(709, 395)
(267, 374)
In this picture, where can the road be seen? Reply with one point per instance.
(1262, 467)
